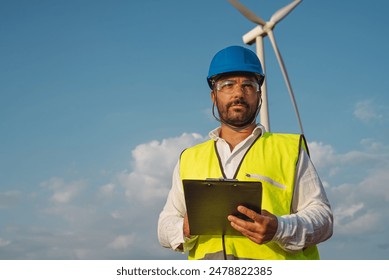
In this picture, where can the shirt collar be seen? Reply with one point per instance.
(259, 129)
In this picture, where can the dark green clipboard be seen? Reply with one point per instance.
(209, 202)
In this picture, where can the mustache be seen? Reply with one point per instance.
(238, 102)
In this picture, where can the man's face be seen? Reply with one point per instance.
(236, 98)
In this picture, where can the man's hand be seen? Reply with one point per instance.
(260, 231)
(185, 230)
(186, 226)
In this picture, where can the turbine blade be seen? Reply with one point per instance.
(283, 12)
(286, 78)
(246, 12)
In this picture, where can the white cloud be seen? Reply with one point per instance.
(376, 183)
(4, 242)
(349, 211)
(153, 164)
(366, 111)
(370, 155)
(360, 225)
(117, 218)
(154, 157)
(122, 242)
(63, 192)
(322, 155)
(77, 219)
(107, 190)
(358, 190)
(9, 198)
(117, 214)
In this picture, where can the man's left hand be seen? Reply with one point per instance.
(261, 230)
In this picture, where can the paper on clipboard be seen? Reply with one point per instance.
(209, 202)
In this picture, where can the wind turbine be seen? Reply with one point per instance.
(256, 35)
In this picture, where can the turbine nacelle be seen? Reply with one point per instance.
(250, 37)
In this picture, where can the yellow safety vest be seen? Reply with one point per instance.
(273, 159)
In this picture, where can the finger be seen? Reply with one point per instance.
(240, 222)
(245, 231)
(186, 226)
(249, 234)
(242, 225)
(250, 213)
(236, 220)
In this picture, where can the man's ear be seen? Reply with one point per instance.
(213, 97)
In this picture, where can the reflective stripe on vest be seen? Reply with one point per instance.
(271, 159)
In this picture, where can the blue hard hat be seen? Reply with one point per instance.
(234, 59)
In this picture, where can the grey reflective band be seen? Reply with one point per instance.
(220, 256)
(266, 179)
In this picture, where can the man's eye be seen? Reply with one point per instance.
(248, 86)
(227, 85)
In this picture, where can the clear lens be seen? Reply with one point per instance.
(228, 87)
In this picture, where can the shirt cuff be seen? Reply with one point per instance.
(190, 243)
(280, 229)
(287, 235)
(187, 243)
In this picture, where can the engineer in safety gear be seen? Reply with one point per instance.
(296, 214)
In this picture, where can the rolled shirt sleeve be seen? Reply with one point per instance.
(311, 221)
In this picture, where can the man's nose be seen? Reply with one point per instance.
(238, 90)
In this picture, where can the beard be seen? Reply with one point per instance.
(237, 113)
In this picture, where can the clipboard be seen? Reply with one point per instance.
(209, 202)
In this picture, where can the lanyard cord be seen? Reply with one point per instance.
(224, 247)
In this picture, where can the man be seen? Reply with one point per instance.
(296, 213)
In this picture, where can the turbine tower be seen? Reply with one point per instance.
(256, 35)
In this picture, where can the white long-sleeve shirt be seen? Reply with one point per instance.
(310, 223)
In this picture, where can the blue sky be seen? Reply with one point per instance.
(98, 98)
